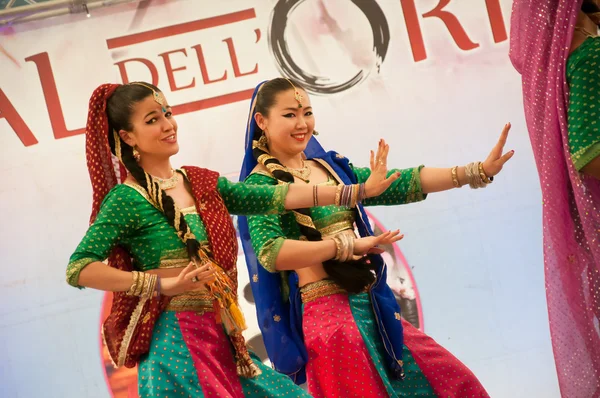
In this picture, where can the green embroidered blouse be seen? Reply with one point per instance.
(268, 232)
(583, 76)
(127, 218)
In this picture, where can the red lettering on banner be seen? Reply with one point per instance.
(170, 70)
(182, 28)
(203, 69)
(8, 112)
(57, 120)
(234, 60)
(496, 20)
(415, 34)
(146, 62)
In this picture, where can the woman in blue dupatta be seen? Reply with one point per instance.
(327, 316)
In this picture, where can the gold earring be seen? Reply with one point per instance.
(315, 132)
(263, 141)
(136, 154)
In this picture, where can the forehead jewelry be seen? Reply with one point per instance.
(297, 95)
(159, 97)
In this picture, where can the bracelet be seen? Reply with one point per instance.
(338, 193)
(473, 176)
(482, 174)
(315, 196)
(362, 193)
(134, 284)
(140, 285)
(338, 247)
(345, 247)
(455, 181)
(350, 195)
(158, 286)
(144, 285)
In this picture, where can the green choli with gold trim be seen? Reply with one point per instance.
(268, 232)
(583, 76)
(128, 219)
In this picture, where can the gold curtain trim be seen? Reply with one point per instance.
(336, 228)
(322, 288)
(135, 318)
(199, 302)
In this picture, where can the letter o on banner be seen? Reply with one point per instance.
(322, 84)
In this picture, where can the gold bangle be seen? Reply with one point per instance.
(356, 190)
(338, 192)
(134, 282)
(149, 286)
(315, 195)
(140, 286)
(482, 174)
(455, 181)
(338, 247)
(350, 248)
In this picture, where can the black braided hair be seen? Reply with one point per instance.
(353, 276)
(119, 108)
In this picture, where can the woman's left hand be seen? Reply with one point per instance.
(496, 160)
(378, 181)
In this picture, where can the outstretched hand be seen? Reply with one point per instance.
(496, 160)
(378, 181)
(368, 245)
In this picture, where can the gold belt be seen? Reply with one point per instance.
(346, 226)
(192, 301)
(325, 287)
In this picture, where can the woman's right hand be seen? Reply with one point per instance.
(185, 282)
(368, 245)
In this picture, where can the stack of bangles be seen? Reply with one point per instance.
(345, 247)
(475, 176)
(350, 195)
(144, 285)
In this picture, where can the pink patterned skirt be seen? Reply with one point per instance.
(347, 357)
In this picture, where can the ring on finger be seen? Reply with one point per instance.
(195, 279)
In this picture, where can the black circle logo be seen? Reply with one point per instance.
(322, 84)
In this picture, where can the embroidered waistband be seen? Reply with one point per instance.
(336, 228)
(174, 263)
(322, 288)
(192, 301)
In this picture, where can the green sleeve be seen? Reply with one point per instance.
(406, 189)
(243, 199)
(584, 107)
(266, 232)
(117, 219)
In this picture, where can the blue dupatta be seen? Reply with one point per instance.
(281, 322)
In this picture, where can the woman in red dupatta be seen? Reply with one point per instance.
(172, 249)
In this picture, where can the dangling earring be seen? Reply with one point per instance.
(263, 141)
(315, 132)
(136, 154)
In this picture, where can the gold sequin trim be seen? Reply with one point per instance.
(322, 288)
(199, 302)
(135, 318)
(304, 220)
(74, 268)
(142, 192)
(415, 192)
(336, 228)
(174, 263)
(189, 210)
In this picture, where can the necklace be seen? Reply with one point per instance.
(167, 183)
(303, 173)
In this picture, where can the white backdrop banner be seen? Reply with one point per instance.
(432, 77)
